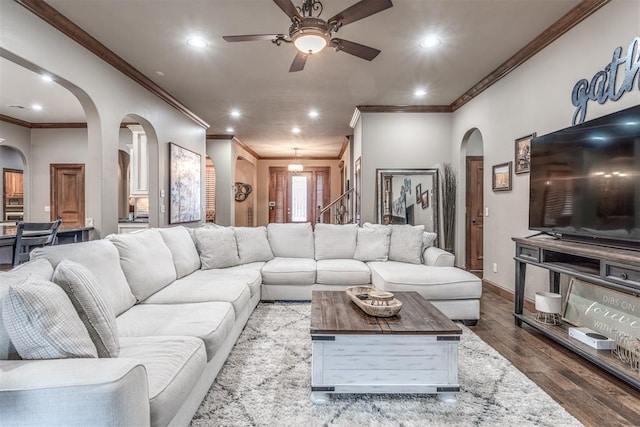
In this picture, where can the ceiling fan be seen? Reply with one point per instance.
(310, 34)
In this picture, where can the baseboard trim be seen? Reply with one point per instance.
(506, 293)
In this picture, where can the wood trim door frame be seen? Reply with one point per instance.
(468, 217)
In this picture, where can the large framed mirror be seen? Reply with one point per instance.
(408, 196)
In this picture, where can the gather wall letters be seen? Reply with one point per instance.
(603, 84)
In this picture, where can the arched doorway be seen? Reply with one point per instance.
(472, 156)
(244, 194)
(12, 185)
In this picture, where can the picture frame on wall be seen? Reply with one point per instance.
(185, 204)
(424, 199)
(418, 194)
(523, 154)
(501, 176)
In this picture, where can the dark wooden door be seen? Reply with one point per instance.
(295, 197)
(474, 217)
(67, 194)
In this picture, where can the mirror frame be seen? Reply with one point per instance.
(381, 174)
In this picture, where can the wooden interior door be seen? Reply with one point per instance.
(67, 194)
(474, 217)
(284, 206)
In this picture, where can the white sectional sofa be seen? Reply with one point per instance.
(180, 299)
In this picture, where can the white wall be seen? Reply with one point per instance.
(536, 97)
(221, 153)
(107, 96)
(399, 140)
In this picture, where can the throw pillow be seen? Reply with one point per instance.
(428, 240)
(253, 245)
(83, 291)
(43, 324)
(183, 249)
(217, 248)
(373, 244)
(334, 241)
(406, 243)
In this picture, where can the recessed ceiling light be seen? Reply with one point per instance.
(197, 42)
(47, 78)
(235, 113)
(430, 41)
(295, 130)
(419, 93)
(313, 114)
(36, 107)
(229, 130)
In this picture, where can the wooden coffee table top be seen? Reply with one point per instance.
(333, 312)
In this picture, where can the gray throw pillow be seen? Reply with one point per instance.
(217, 248)
(406, 244)
(373, 244)
(253, 245)
(43, 324)
(83, 291)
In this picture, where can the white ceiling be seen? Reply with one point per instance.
(477, 36)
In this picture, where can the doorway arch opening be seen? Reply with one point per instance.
(471, 197)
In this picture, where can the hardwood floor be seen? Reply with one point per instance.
(587, 392)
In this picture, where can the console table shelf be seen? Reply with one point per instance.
(613, 268)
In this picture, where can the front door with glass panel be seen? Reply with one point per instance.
(297, 197)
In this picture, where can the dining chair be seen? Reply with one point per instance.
(31, 235)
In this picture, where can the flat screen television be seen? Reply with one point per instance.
(585, 181)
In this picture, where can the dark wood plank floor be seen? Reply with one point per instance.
(587, 392)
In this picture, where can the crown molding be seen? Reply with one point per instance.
(246, 148)
(13, 121)
(404, 108)
(214, 136)
(345, 145)
(54, 18)
(572, 18)
(60, 125)
(301, 158)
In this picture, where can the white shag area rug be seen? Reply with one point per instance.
(266, 381)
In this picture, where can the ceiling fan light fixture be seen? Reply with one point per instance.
(311, 35)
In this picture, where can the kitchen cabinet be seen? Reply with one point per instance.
(139, 164)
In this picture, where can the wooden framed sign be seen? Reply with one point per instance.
(602, 309)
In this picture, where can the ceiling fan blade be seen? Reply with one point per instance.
(288, 8)
(356, 49)
(251, 37)
(360, 10)
(298, 62)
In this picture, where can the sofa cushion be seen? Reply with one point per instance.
(173, 365)
(433, 283)
(217, 247)
(253, 245)
(342, 272)
(373, 244)
(205, 287)
(186, 259)
(406, 243)
(41, 268)
(42, 323)
(146, 261)
(102, 259)
(334, 241)
(291, 240)
(84, 293)
(289, 271)
(251, 274)
(210, 321)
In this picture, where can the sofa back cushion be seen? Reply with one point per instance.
(253, 245)
(102, 259)
(146, 261)
(334, 241)
(291, 240)
(373, 244)
(217, 247)
(186, 259)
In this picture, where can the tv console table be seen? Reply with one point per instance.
(612, 268)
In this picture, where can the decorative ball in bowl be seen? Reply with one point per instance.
(373, 301)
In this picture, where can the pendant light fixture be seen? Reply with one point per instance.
(295, 166)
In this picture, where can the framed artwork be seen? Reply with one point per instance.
(424, 199)
(523, 153)
(501, 177)
(184, 185)
(418, 194)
